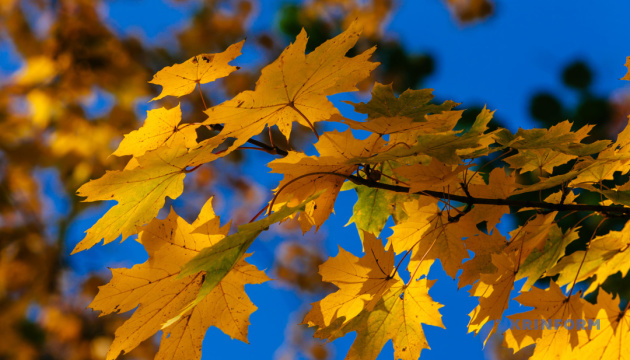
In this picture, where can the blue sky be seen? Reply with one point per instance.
(501, 62)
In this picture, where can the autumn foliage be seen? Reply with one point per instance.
(413, 166)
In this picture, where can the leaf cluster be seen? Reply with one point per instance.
(415, 167)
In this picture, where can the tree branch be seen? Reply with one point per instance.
(470, 200)
(610, 211)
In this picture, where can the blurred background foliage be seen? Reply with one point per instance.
(80, 86)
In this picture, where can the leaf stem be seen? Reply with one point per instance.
(577, 273)
(423, 257)
(292, 106)
(201, 94)
(274, 150)
(187, 171)
(271, 149)
(259, 213)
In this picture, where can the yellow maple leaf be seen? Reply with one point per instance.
(483, 246)
(614, 158)
(531, 236)
(294, 88)
(538, 160)
(408, 231)
(140, 190)
(429, 233)
(435, 176)
(403, 129)
(608, 340)
(161, 128)
(560, 197)
(606, 255)
(493, 290)
(500, 186)
(328, 171)
(398, 316)
(361, 282)
(227, 307)
(154, 286)
(551, 305)
(181, 79)
(539, 262)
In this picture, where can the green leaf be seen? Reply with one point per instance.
(371, 211)
(411, 103)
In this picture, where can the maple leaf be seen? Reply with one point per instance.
(398, 316)
(140, 190)
(408, 113)
(429, 233)
(549, 305)
(161, 293)
(619, 195)
(493, 290)
(181, 79)
(547, 183)
(562, 197)
(609, 339)
(614, 158)
(483, 246)
(500, 186)
(448, 147)
(408, 232)
(436, 176)
(605, 256)
(161, 128)
(361, 282)
(538, 160)
(305, 175)
(558, 137)
(531, 236)
(406, 131)
(219, 259)
(413, 104)
(372, 209)
(538, 262)
(142, 186)
(374, 205)
(294, 88)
